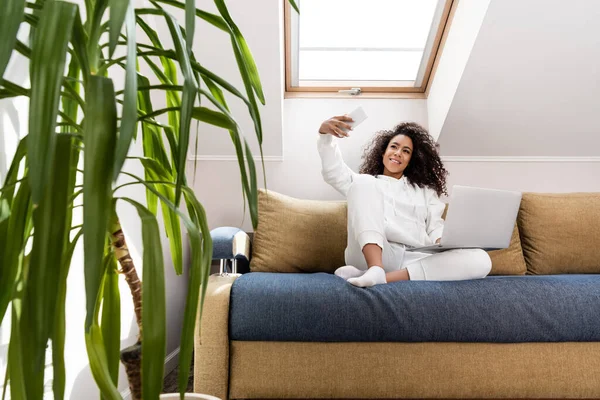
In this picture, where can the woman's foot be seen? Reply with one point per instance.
(374, 276)
(348, 271)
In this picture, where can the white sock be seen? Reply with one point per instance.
(348, 271)
(374, 276)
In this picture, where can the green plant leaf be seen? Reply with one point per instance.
(14, 244)
(118, 9)
(154, 344)
(111, 317)
(69, 105)
(249, 66)
(212, 19)
(190, 23)
(253, 194)
(18, 381)
(190, 88)
(293, 3)
(213, 118)
(99, 141)
(129, 116)
(199, 272)
(10, 20)
(201, 249)
(79, 47)
(58, 337)
(51, 230)
(253, 108)
(94, 21)
(157, 172)
(168, 77)
(94, 344)
(47, 68)
(7, 194)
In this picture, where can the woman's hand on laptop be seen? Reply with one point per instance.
(336, 126)
(438, 241)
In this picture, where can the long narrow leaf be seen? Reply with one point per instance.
(212, 19)
(96, 347)
(213, 118)
(111, 317)
(169, 76)
(14, 245)
(99, 141)
(171, 221)
(201, 246)
(10, 19)
(248, 60)
(47, 68)
(95, 31)
(43, 281)
(118, 10)
(70, 108)
(190, 88)
(253, 108)
(200, 270)
(145, 104)
(79, 41)
(129, 116)
(190, 23)
(154, 345)
(18, 380)
(58, 338)
(253, 195)
(94, 344)
(293, 3)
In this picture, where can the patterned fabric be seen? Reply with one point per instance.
(324, 308)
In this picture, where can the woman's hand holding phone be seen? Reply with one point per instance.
(337, 126)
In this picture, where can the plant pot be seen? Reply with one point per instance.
(188, 396)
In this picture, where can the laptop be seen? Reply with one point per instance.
(477, 218)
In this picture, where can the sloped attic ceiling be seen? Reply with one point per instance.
(531, 86)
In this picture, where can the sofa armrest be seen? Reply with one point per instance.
(211, 341)
(230, 243)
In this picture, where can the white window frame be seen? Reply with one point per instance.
(418, 88)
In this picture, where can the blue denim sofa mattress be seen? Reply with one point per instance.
(321, 307)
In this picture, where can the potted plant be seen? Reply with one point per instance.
(80, 130)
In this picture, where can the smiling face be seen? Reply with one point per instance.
(397, 156)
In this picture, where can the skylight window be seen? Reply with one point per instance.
(374, 45)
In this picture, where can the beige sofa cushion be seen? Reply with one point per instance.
(560, 233)
(295, 235)
(507, 261)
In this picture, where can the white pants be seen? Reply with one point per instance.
(366, 217)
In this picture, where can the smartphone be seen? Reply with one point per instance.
(358, 115)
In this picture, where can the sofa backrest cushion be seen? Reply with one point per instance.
(295, 235)
(507, 261)
(560, 233)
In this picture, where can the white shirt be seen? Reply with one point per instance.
(413, 215)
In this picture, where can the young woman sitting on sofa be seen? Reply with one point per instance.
(394, 203)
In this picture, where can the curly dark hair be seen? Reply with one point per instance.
(425, 168)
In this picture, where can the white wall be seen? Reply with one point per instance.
(525, 113)
(526, 176)
(532, 83)
(463, 32)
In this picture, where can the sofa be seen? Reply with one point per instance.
(289, 328)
